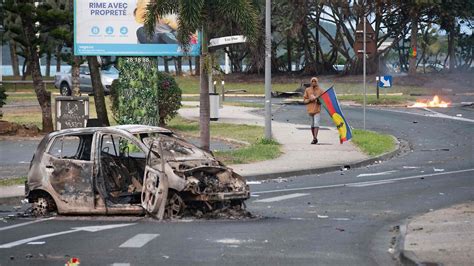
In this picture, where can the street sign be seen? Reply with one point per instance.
(385, 81)
(228, 40)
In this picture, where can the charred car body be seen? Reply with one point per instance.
(128, 169)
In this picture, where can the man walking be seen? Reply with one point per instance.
(313, 106)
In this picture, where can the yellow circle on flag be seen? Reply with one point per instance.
(341, 127)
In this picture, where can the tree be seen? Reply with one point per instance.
(98, 88)
(9, 21)
(448, 14)
(201, 15)
(27, 11)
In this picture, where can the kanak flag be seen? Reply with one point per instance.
(329, 101)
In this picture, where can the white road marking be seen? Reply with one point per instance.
(411, 167)
(138, 241)
(284, 197)
(23, 224)
(36, 243)
(371, 183)
(434, 114)
(120, 264)
(376, 174)
(77, 229)
(347, 184)
(254, 182)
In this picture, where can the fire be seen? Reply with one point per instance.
(436, 102)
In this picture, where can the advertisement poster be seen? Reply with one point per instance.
(115, 27)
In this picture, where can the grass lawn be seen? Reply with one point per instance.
(190, 85)
(12, 181)
(372, 143)
(258, 150)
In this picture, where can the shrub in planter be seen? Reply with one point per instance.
(142, 95)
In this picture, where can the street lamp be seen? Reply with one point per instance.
(268, 71)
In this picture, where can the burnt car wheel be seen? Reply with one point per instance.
(64, 89)
(150, 199)
(174, 206)
(43, 206)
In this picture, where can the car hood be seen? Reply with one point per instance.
(173, 149)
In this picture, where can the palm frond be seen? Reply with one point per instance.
(243, 14)
(189, 20)
(157, 9)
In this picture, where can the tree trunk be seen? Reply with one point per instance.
(179, 69)
(190, 66)
(76, 90)
(288, 52)
(413, 43)
(43, 96)
(26, 68)
(98, 89)
(197, 62)
(14, 58)
(165, 62)
(48, 64)
(204, 106)
(58, 59)
(451, 50)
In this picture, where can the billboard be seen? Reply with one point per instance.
(115, 27)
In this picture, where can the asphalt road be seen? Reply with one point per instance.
(338, 218)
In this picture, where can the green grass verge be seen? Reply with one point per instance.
(372, 143)
(262, 150)
(190, 85)
(12, 181)
(258, 150)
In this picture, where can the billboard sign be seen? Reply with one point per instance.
(116, 27)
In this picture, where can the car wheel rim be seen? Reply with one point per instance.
(64, 91)
(150, 199)
(40, 207)
(174, 207)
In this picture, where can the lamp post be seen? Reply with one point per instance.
(268, 70)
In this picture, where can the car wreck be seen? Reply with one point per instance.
(128, 169)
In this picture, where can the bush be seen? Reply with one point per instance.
(142, 95)
(3, 98)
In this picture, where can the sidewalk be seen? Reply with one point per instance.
(441, 237)
(299, 156)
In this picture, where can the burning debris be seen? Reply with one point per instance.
(435, 102)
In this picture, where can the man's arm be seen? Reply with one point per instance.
(306, 97)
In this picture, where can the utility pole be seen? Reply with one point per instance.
(268, 70)
(364, 63)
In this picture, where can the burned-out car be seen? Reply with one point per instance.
(128, 169)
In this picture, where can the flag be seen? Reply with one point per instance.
(329, 101)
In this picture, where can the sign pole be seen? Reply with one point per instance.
(364, 63)
(268, 71)
(378, 75)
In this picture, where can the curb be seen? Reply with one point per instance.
(382, 157)
(14, 201)
(406, 257)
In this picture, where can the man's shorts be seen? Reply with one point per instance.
(315, 120)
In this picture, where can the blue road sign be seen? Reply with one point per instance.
(385, 82)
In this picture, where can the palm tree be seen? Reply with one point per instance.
(201, 15)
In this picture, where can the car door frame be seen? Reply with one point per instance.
(71, 181)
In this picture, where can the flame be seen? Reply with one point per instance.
(436, 102)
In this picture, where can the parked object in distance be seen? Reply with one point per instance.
(128, 169)
(63, 80)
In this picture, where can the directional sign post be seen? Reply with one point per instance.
(385, 81)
